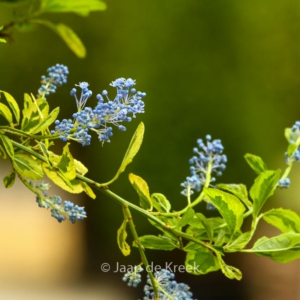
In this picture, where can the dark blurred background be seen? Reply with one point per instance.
(225, 68)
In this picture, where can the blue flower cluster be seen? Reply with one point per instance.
(294, 136)
(284, 183)
(134, 278)
(168, 287)
(57, 76)
(58, 210)
(126, 104)
(209, 160)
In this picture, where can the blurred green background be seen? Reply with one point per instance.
(226, 68)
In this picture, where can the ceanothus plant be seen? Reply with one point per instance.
(27, 141)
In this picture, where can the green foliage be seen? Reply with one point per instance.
(256, 163)
(2, 40)
(263, 188)
(80, 7)
(229, 206)
(121, 239)
(132, 150)
(31, 9)
(141, 187)
(27, 167)
(67, 35)
(200, 260)
(25, 140)
(284, 219)
(160, 203)
(13, 105)
(156, 242)
(9, 180)
(283, 248)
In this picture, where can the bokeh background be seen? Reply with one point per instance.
(228, 68)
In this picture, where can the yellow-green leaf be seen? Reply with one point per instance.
(13, 105)
(5, 112)
(27, 167)
(88, 190)
(45, 152)
(31, 117)
(47, 121)
(229, 206)
(141, 187)
(121, 239)
(80, 167)
(72, 186)
(68, 36)
(8, 145)
(2, 153)
(66, 164)
(43, 106)
(132, 150)
(9, 179)
(80, 7)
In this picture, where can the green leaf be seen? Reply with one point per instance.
(80, 7)
(80, 167)
(74, 186)
(56, 175)
(256, 163)
(66, 163)
(290, 135)
(9, 148)
(229, 271)
(186, 218)
(121, 239)
(31, 117)
(156, 242)
(291, 149)
(282, 248)
(88, 190)
(229, 207)
(206, 224)
(221, 238)
(2, 153)
(200, 260)
(9, 180)
(68, 36)
(27, 167)
(13, 105)
(160, 202)
(47, 121)
(238, 190)
(141, 187)
(132, 150)
(43, 106)
(45, 152)
(263, 187)
(239, 243)
(283, 219)
(2, 40)
(5, 112)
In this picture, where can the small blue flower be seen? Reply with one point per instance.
(294, 136)
(126, 104)
(84, 96)
(133, 278)
(57, 76)
(59, 211)
(284, 183)
(208, 158)
(168, 287)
